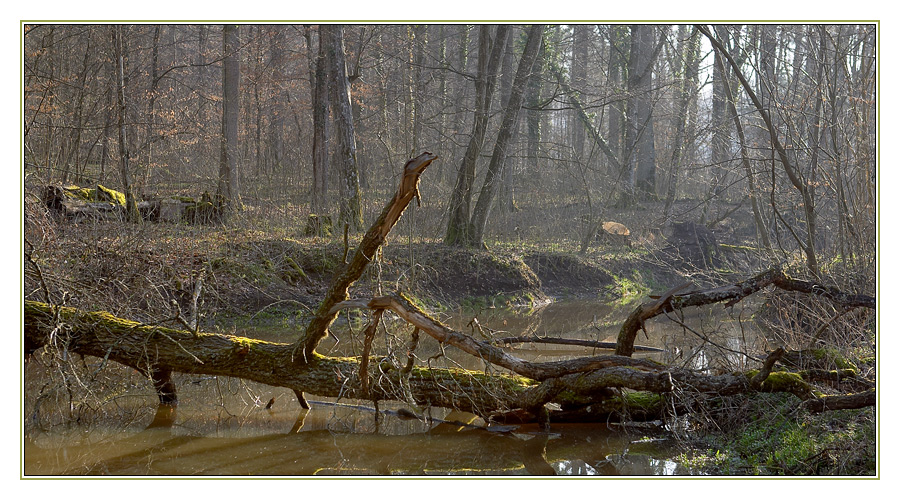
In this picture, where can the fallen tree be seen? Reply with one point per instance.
(509, 388)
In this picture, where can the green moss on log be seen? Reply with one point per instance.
(291, 272)
(650, 402)
(822, 358)
(784, 382)
(80, 193)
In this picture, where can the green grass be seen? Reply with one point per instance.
(774, 440)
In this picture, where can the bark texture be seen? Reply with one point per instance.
(331, 43)
(229, 175)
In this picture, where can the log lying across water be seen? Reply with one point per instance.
(575, 342)
(575, 384)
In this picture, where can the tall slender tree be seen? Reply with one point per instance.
(489, 55)
(640, 175)
(319, 89)
(131, 210)
(505, 135)
(580, 43)
(229, 173)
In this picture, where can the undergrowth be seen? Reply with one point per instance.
(766, 435)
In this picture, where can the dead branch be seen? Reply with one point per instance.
(374, 238)
(841, 402)
(401, 306)
(730, 294)
(159, 352)
(577, 342)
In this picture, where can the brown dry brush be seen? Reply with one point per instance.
(586, 388)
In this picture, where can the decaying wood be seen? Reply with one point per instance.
(154, 349)
(576, 342)
(841, 402)
(159, 351)
(763, 374)
(401, 306)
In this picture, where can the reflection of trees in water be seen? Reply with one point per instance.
(713, 341)
(160, 452)
(170, 448)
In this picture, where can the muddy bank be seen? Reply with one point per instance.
(150, 272)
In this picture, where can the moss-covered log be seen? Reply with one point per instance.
(582, 383)
(152, 348)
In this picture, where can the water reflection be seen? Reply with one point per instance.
(302, 447)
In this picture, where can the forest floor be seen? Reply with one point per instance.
(261, 265)
(254, 275)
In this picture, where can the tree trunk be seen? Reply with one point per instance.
(331, 40)
(319, 88)
(533, 117)
(131, 211)
(488, 62)
(158, 351)
(276, 109)
(617, 61)
(229, 174)
(580, 42)
(507, 130)
(640, 172)
(686, 93)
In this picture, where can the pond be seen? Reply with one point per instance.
(223, 427)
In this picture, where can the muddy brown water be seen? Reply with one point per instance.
(222, 428)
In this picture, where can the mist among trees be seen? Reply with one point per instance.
(205, 171)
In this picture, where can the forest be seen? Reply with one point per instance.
(494, 246)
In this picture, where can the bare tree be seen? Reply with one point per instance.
(640, 174)
(489, 57)
(229, 174)
(331, 46)
(505, 135)
(131, 210)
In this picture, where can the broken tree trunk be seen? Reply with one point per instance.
(374, 238)
(575, 384)
(158, 351)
